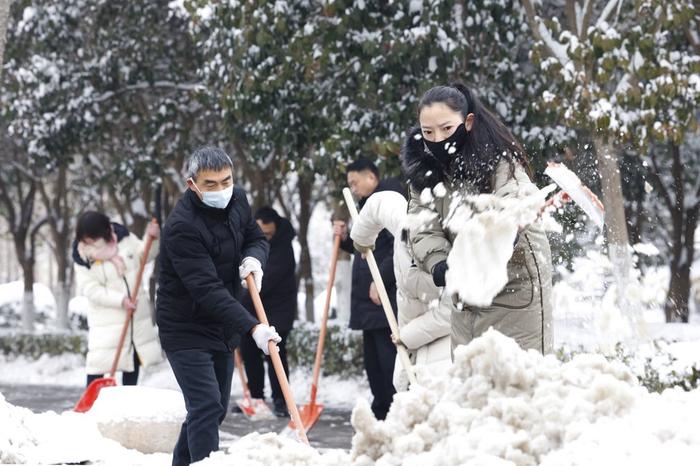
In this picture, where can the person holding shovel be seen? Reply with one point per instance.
(210, 244)
(107, 259)
(424, 325)
(366, 311)
(279, 297)
(461, 149)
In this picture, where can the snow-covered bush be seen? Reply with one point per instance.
(342, 352)
(36, 345)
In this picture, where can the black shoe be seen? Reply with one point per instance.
(281, 408)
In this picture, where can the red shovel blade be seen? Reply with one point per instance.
(309, 414)
(255, 409)
(246, 407)
(90, 395)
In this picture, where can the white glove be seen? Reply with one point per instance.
(248, 266)
(264, 333)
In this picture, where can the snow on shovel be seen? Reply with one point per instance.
(311, 411)
(581, 195)
(384, 297)
(277, 361)
(93, 390)
(254, 408)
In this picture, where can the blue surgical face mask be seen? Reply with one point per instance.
(215, 199)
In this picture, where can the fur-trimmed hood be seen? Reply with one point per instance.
(421, 169)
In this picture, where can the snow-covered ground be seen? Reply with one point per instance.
(497, 405)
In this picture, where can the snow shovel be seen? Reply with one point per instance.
(254, 408)
(384, 297)
(311, 411)
(277, 361)
(93, 390)
(582, 196)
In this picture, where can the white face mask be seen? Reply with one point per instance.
(215, 199)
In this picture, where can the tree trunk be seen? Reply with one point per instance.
(684, 221)
(26, 260)
(64, 281)
(28, 311)
(4, 18)
(615, 222)
(683, 252)
(60, 212)
(305, 269)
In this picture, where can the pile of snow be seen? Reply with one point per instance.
(270, 449)
(501, 405)
(50, 438)
(124, 413)
(497, 405)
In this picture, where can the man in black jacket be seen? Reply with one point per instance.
(366, 311)
(210, 243)
(279, 297)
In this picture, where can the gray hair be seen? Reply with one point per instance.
(207, 158)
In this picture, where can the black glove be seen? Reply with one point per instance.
(439, 271)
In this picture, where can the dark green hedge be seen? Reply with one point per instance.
(342, 352)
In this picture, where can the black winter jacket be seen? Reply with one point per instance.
(200, 252)
(364, 314)
(279, 284)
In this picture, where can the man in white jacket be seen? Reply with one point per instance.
(424, 325)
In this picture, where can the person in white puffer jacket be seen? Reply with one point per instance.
(107, 259)
(424, 325)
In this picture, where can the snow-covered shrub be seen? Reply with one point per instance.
(342, 352)
(36, 345)
(656, 366)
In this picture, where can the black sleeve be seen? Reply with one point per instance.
(193, 264)
(347, 245)
(386, 263)
(254, 242)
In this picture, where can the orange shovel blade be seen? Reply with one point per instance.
(90, 395)
(309, 414)
(246, 407)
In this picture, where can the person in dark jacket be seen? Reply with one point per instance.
(210, 243)
(366, 311)
(279, 298)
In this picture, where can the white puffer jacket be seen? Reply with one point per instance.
(105, 290)
(424, 325)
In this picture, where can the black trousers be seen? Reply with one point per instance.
(253, 359)
(379, 358)
(205, 380)
(128, 378)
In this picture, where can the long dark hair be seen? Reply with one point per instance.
(488, 142)
(93, 225)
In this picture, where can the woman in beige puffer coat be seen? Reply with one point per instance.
(424, 325)
(106, 270)
(461, 150)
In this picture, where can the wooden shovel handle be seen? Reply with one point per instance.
(324, 319)
(134, 294)
(277, 362)
(383, 296)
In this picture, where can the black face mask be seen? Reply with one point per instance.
(444, 151)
